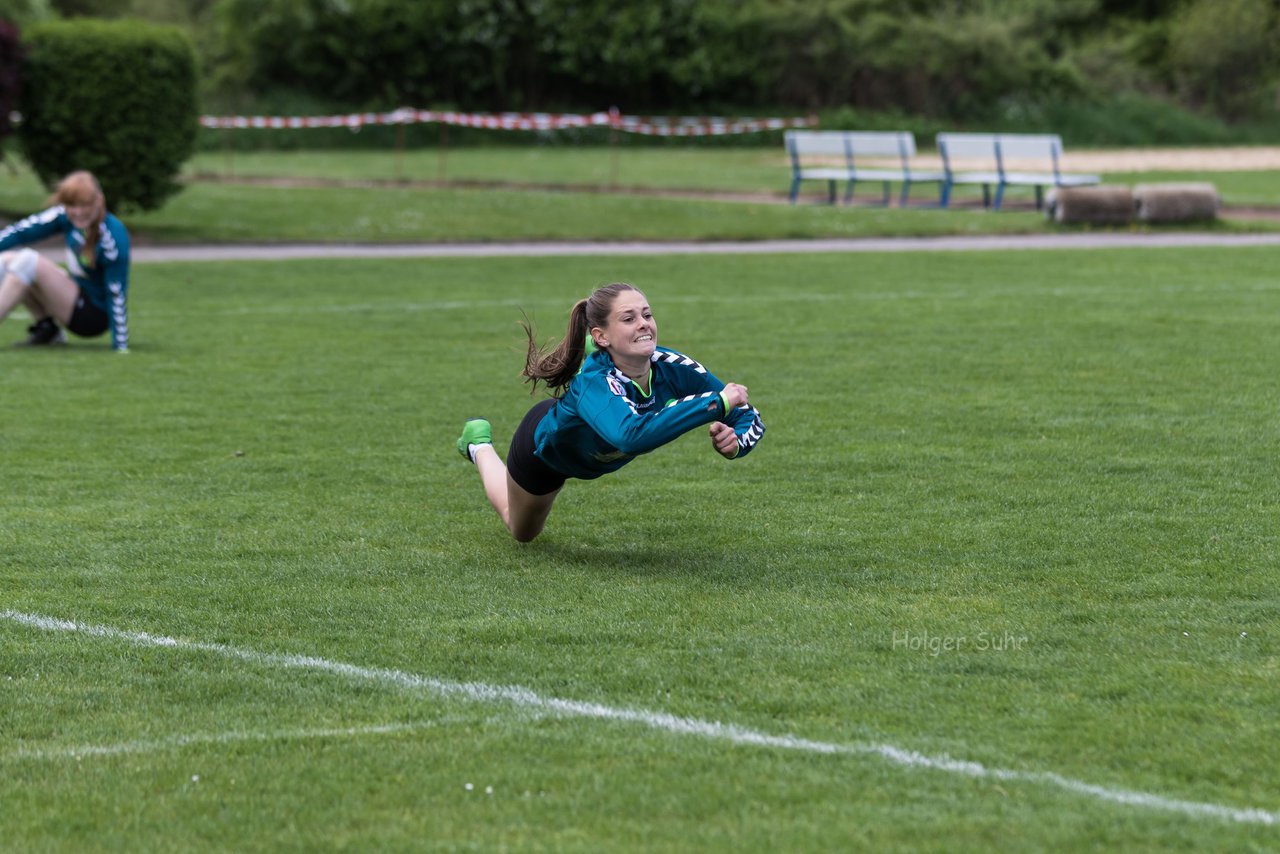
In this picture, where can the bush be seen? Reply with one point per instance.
(1186, 65)
(116, 98)
(942, 60)
(481, 54)
(1129, 120)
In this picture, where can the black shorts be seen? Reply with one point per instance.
(87, 320)
(530, 473)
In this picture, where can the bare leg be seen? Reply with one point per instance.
(34, 307)
(55, 290)
(12, 291)
(522, 512)
(52, 293)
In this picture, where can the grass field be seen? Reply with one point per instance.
(1001, 575)
(207, 211)
(758, 170)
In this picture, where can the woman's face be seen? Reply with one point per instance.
(631, 331)
(82, 216)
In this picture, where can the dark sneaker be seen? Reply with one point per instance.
(43, 333)
(474, 432)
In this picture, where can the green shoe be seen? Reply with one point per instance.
(475, 432)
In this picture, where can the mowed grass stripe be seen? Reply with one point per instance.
(552, 303)
(177, 742)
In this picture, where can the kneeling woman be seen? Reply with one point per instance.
(88, 297)
(626, 398)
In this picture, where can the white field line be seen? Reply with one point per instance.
(527, 699)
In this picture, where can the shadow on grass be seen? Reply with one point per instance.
(634, 559)
(701, 562)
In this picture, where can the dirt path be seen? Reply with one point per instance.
(1235, 159)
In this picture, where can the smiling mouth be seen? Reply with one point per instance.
(645, 338)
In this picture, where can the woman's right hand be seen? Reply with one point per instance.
(735, 395)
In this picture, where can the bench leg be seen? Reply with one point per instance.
(986, 195)
(944, 194)
(906, 191)
(1039, 198)
(999, 196)
(831, 191)
(848, 191)
(795, 189)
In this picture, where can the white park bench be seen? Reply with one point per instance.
(1001, 160)
(840, 157)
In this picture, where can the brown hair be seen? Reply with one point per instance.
(558, 366)
(81, 189)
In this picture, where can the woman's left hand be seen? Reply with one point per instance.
(724, 440)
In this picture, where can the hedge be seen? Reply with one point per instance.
(117, 98)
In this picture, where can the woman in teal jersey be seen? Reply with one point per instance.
(619, 397)
(88, 296)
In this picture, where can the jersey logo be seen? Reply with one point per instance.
(615, 385)
(618, 385)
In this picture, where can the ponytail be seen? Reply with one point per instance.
(558, 366)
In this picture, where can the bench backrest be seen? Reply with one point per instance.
(966, 145)
(850, 144)
(882, 143)
(998, 148)
(819, 142)
(1031, 146)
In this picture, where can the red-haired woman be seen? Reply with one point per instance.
(88, 296)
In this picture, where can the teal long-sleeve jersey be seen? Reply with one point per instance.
(106, 283)
(604, 421)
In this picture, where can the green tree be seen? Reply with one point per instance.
(24, 12)
(115, 97)
(1222, 54)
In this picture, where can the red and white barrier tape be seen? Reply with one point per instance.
(645, 125)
